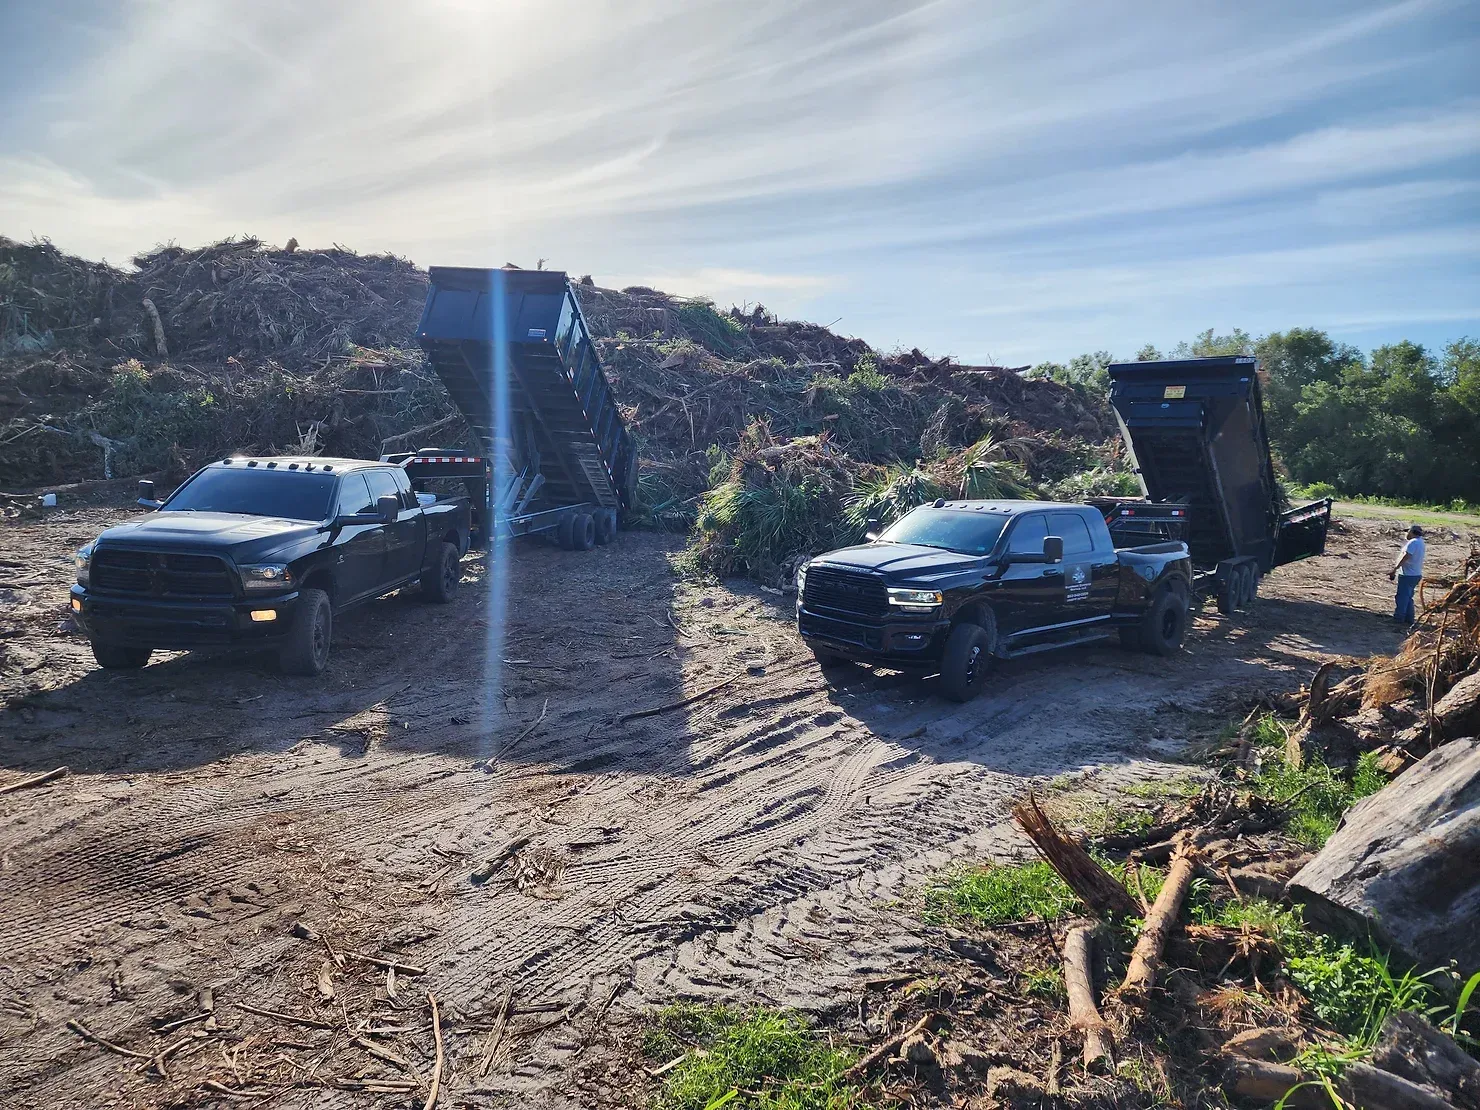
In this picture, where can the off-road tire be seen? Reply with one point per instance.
(439, 582)
(966, 661)
(119, 657)
(306, 650)
(1164, 625)
(583, 533)
(606, 526)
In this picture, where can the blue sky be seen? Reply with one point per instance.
(1003, 181)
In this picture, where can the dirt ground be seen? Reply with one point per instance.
(231, 837)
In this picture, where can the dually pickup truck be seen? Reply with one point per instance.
(952, 585)
(261, 553)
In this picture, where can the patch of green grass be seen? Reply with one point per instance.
(756, 1059)
(1316, 794)
(995, 895)
(1350, 988)
(1183, 786)
(1044, 982)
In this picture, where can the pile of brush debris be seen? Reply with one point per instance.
(239, 346)
(1402, 706)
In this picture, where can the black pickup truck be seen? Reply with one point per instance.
(952, 585)
(261, 553)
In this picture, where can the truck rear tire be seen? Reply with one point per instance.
(306, 650)
(606, 526)
(1164, 625)
(966, 661)
(563, 531)
(440, 582)
(583, 533)
(119, 657)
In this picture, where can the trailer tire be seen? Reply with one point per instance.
(583, 533)
(306, 650)
(119, 657)
(606, 526)
(439, 582)
(1228, 591)
(1164, 624)
(966, 661)
(564, 532)
(1250, 585)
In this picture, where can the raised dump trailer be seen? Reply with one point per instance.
(1195, 431)
(569, 466)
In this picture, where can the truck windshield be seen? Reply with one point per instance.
(292, 496)
(969, 532)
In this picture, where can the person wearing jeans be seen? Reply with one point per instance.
(1408, 572)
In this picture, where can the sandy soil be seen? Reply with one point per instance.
(747, 846)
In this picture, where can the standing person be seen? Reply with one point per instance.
(1407, 571)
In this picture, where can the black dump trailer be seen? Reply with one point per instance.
(562, 462)
(1195, 431)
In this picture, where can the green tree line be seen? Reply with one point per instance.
(1401, 422)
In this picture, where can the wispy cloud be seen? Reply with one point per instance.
(1014, 176)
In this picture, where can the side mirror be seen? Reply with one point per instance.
(875, 528)
(147, 500)
(1053, 549)
(388, 508)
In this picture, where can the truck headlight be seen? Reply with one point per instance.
(914, 601)
(83, 562)
(801, 578)
(265, 576)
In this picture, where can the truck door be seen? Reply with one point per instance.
(359, 548)
(405, 540)
(1079, 566)
(1105, 577)
(1031, 593)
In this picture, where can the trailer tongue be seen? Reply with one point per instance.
(561, 459)
(1195, 431)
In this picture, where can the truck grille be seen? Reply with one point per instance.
(845, 591)
(160, 574)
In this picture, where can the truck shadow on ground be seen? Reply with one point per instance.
(584, 630)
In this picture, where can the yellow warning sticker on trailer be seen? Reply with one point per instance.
(1174, 393)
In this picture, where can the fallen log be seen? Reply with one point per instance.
(1412, 1048)
(1401, 868)
(1146, 956)
(1084, 1014)
(1360, 1085)
(1105, 896)
(1459, 710)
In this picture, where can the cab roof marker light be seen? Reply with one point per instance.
(292, 466)
(271, 465)
(251, 462)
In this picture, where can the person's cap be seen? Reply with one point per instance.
(1415, 530)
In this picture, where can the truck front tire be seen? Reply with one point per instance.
(306, 650)
(1164, 625)
(118, 657)
(965, 662)
(439, 583)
